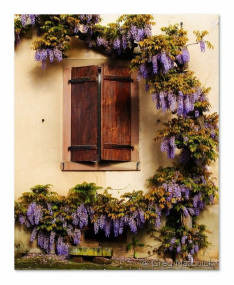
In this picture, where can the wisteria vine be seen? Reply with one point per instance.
(180, 191)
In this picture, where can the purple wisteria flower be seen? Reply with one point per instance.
(168, 145)
(178, 249)
(96, 226)
(102, 42)
(107, 228)
(132, 225)
(191, 211)
(32, 18)
(70, 230)
(76, 29)
(37, 214)
(58, 54)
(180, 108)
(133, 32)
(164, 145)
(185, 211)
(88, 18)
(197, 114)
(196, 248)
(34, 213)
(202, 45)
(141, 215)
(43, 54)
(173, 240)
(82, 215)
(183, 239)
(124, 41)
(30, 212)
(62, 248)
(17, 38)
(158, 218)
(187, 105)
(117, 45)
(21, 219)
(183, 57)
(155, 99)
(75, 219)
(162, 101)
(155, 64)
(213, 135)
(23, 20)
(211, 198)
(166, 61)
(121, 225)
(33, 234)
(171, 101)
(76, 236)
(172, 147)
(148, 30)
(143, 71)
(190, 258)
(40, 239)
(116, 227)
(102, 221)
(140, 35)
(51, 55)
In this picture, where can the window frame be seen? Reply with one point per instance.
(66, 163)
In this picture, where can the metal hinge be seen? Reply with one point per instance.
(82, 147)
(82, 80)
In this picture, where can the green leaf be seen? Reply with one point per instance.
(129, 246)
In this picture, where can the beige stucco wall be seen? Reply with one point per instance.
(38, 95)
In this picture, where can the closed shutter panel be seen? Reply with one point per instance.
(116, 113)
(84, 113)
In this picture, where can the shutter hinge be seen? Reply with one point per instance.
(82, 147)
(82, 80)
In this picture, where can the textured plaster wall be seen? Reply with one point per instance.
(38, 95)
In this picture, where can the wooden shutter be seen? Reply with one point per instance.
(84, 113)
(116, 113)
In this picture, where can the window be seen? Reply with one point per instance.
(100, 130)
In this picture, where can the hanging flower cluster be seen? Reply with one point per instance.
(120, 38)
(175, 191)
(28, 19)
(134, 221)
(196, 135)
(182, 242)
(200, 40)
(51, 54)
(49, 217)
(116, 39)
(23, 25)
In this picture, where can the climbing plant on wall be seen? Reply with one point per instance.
(180, 191)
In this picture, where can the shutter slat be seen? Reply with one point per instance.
(116, 113)
(84, 114)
